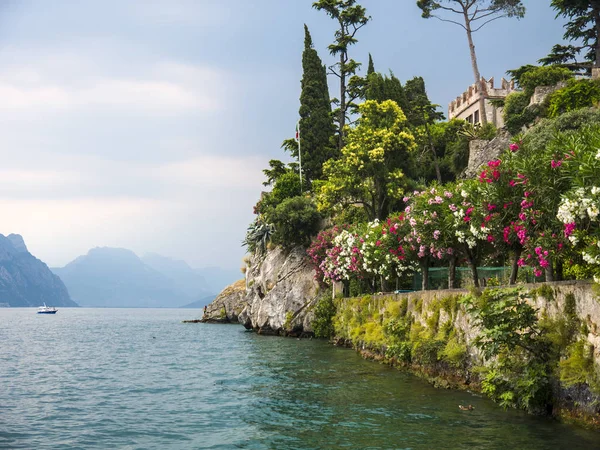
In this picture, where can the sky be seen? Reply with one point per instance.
(147, 124)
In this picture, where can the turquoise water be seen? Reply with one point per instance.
(140, 379)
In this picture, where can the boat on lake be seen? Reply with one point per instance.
(46, 309)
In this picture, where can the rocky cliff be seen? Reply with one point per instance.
(25, 280)
(277, 296)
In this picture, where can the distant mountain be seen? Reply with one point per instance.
(190, 281)
(116, 277)
(194, 282)
(25, 280)
(200, 303)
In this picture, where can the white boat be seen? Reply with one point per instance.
(46, 309)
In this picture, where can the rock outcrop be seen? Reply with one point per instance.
(25, 280)
(481, 152)
(228, 305)
(278, 295)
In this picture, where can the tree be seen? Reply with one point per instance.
(351, 18)
(316, 124)
(584, 28)
(421, 112)
(475, 14)
(370, 171)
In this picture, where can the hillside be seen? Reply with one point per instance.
(25, 280)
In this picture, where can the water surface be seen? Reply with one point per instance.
(139, 379)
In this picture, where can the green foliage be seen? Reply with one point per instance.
(579, 367)
(296, 220)
(289, 317)
(582, 29)
(258, 235)
(223, 313)
(578, 271)
(316, 124)
(576, 95)
(506, 320)
(350, 17)
(542, 76)
(517, 112)
(454, 353)
(370, 170)
(543, 133)
(545, 291)
(517, 382)
(323, 322)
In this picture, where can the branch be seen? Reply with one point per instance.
(490, 13)
(451, 21)
(447, 8)
(485, 23)
(333, 72)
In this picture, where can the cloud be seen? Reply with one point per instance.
(162, 96)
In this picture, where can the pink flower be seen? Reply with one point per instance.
(436, 234)
(452, 207)
(556, 164)
(494, 164)
(490, 238)
(514, 147)
(521, 262)
(537, 272)
(512, 183)
(491, 207)
(378, 243)
(523, 216)
(569, 228)
(544, 263)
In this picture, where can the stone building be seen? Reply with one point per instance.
(466, 106)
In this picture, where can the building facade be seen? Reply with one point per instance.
(467, 107)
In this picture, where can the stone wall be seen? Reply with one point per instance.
(364, 324)
(481, 152)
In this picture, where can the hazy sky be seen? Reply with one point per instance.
(146, 124)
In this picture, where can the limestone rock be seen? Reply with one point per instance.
(277, 296)
(228, 305)
(281, 293)
(481, 152)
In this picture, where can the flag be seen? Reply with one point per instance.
(297, 138)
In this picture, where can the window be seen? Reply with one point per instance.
(476, 117)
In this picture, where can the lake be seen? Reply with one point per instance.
(140, 379)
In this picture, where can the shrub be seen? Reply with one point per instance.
(578, 94)
(517, 112)
(543, 76)
(544, 132)
(323, 322)
(296, 220)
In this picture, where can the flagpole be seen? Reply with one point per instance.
(299, 155)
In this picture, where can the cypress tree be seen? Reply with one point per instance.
(371, 67)
(316, 121)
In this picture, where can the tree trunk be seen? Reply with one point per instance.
(596, 13)
(559, 270)
(342, 114)
(549, 271)
(384, 285)
(473, 267)
(425, 273)
(452, 272)
(482, 114)
(514, 270)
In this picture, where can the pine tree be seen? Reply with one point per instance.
(316, 123)
(583, 28)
